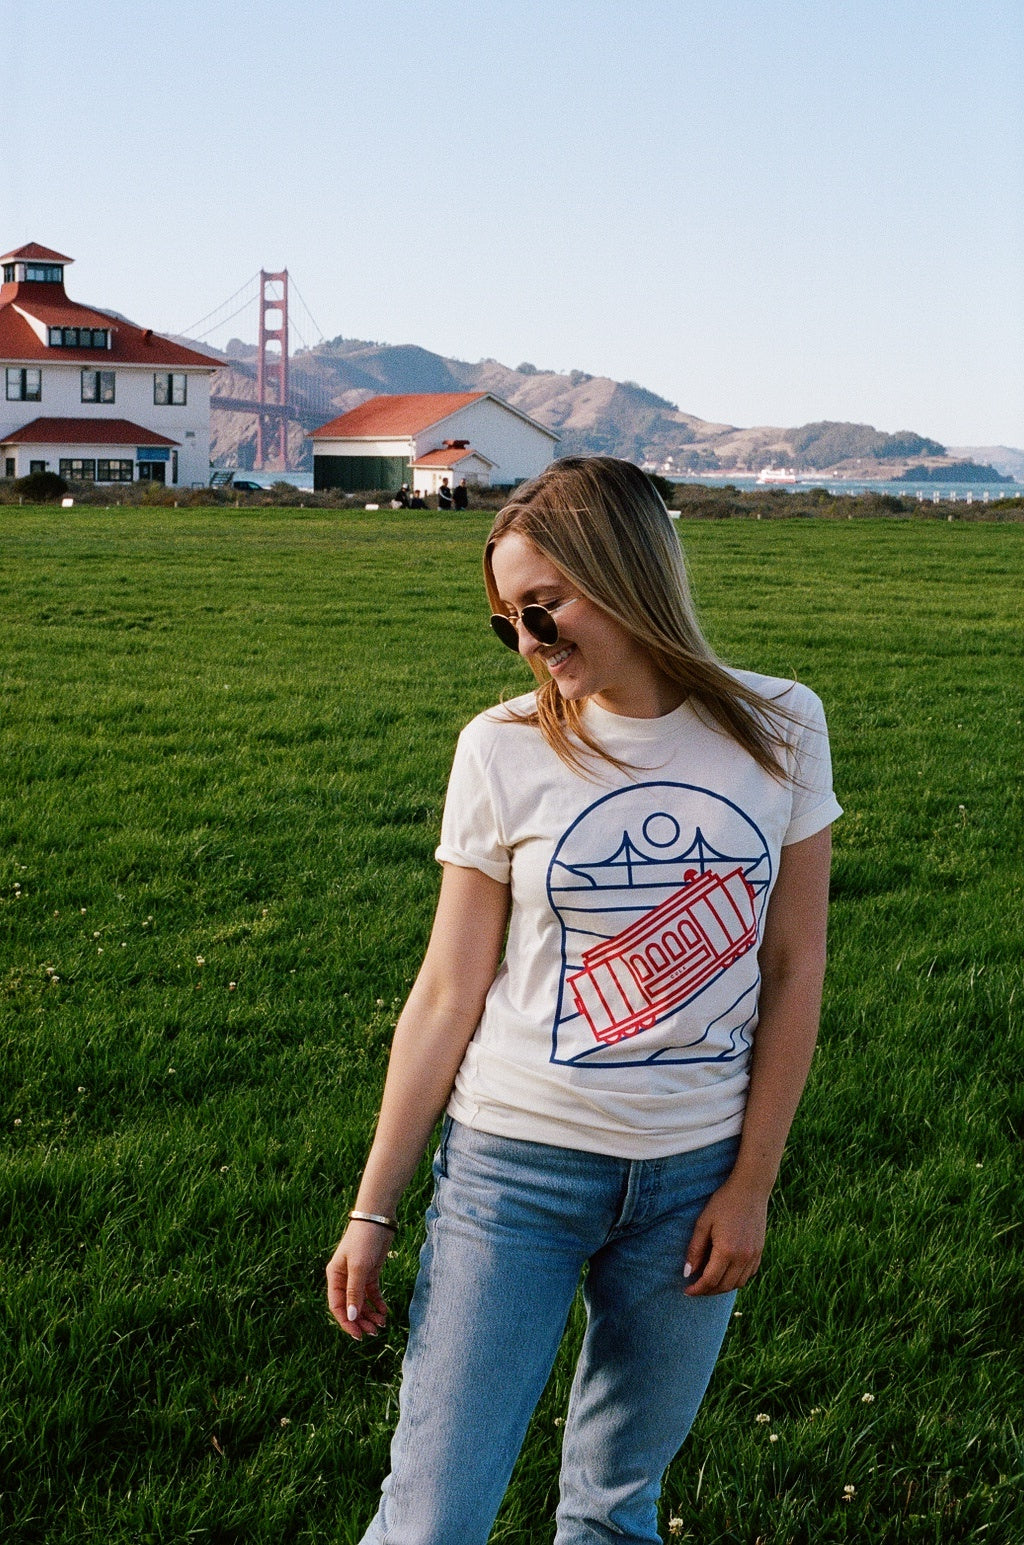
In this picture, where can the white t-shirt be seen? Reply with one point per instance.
(622, 1016)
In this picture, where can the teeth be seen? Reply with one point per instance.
(562, 654)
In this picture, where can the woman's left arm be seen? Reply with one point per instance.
(725, 1249)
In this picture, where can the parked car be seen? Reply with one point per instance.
(246, 485)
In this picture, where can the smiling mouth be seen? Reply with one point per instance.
(553, 661)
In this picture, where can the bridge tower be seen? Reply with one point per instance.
(272, 371)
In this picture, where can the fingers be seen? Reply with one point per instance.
(353, 1293)
(725, 1271)
(698, 1248)
(727, 1242)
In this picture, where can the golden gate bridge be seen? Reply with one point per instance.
(279, 399)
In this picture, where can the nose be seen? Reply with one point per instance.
(528, 645)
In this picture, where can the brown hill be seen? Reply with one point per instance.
(591, 414)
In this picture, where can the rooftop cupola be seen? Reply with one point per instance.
(33, 264)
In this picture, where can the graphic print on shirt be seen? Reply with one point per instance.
(660, 890)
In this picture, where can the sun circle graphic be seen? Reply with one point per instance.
(661, 830)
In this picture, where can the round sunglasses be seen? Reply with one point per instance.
(538, 621)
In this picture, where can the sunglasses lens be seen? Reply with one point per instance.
(538, 621)
(506, 631)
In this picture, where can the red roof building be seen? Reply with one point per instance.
(391, 440)
(386, 417)
(76, 369)
(85, 431)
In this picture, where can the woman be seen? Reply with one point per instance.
(653, 830)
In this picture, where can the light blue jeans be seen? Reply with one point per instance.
(510, 1228)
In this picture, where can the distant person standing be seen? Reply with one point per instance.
(401, 499)
(461, 495)
(417, 502)
(445, 498)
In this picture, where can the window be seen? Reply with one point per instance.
(97, 386)
(9, 465)
(79, 337)
(174, 466)
(24, 385)
(36, 466)
(114, 471)
(77, 469)
(45, 273)
(170, 390)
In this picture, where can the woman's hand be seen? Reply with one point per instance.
(727, 1240)
(725, 1249)
(353, 1280)
(430, 1041)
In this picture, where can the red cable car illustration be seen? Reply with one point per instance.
(630, 980)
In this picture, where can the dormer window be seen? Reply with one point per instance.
(79, 337)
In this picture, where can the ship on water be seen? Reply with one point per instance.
(776, 475)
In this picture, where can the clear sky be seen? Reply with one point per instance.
(769, 211)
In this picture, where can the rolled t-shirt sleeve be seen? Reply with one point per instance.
(814, 802)
(471, 835)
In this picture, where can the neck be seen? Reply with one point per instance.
(649, 698)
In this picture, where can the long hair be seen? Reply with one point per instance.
(603, 524)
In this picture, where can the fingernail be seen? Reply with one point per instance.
(687, 1270)
(353, 1312)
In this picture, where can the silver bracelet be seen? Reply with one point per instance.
(375, 1217)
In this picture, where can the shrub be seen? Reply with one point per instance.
(41, 487)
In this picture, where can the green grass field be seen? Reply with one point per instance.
(225, 743)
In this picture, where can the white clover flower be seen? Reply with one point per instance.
(773, 1437)
(850, 1491)
(675, 1526)
(232, 986)
(200, 960)
(762, 1416)
(867, 1399)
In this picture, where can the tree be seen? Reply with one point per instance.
(41, 487)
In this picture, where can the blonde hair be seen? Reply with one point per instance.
(602, 522)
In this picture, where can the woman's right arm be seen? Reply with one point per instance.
(431, 1037)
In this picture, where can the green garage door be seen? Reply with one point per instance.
(359, 472)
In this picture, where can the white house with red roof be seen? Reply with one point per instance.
(422, 437)
(89, 395)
